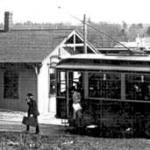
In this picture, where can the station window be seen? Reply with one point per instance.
(137, 86)
(61, 84)
(11, 81)
(105, 85)
(52, 80)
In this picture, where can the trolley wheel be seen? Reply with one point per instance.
(147, 129)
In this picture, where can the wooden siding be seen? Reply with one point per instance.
(27, 83)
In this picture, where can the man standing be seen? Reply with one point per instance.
(32, 110)
(76, 104)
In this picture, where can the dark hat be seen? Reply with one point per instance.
(29, 94)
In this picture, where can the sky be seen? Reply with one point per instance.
(72, 11)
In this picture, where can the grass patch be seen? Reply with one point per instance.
(23, 141)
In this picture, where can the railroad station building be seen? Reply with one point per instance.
(27, 63)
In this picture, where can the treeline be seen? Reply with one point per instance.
(107, 35)
(100, 34)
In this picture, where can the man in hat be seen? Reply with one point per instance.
(32, 110)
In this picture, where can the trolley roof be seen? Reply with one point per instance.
(111, 57)
(106, 62)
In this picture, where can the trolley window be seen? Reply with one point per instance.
(137, 86)
(105, 85)
(52, 81)
(75, 79)
(61, 85)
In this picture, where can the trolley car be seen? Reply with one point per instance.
(115, 91)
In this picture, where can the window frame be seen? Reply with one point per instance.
(104, 72)
(60, 83)
(139, 84)
(9, 78)
(52, 81)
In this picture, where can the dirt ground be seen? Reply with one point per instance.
(56, 137)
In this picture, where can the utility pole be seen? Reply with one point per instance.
(85, 34)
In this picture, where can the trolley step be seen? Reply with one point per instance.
(64, 122)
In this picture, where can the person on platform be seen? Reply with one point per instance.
(32, 111)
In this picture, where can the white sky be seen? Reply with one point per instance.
(114, 11)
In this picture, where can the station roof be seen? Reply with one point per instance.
(30, 45)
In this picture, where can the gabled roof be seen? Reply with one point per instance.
(29, 46)
(92, 45)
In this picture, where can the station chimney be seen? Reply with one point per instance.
(8, 22)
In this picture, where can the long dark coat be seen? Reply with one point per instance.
(32, 108)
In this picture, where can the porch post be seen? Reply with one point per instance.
(67, 91)
(74, 42)
(36, 68)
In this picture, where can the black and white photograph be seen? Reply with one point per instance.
(74, 75)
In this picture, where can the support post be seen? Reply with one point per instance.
(123, 86)
(74, 42)
(36, 68)
(85, 34)
(67, 90)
